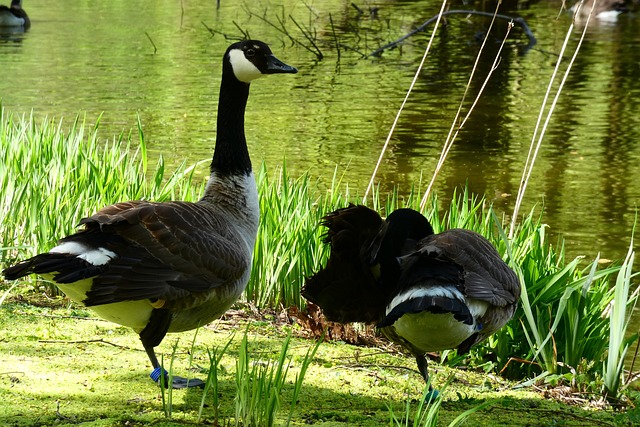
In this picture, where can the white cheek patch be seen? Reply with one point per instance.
(99, 256)
(244, 69)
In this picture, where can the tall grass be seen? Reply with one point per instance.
(613, 369)
(259, 384)
(51, 176)
(427, 410)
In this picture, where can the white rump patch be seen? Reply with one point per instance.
(99, 256)
(451, 293)
(477, 308)
(244, 69)
(433, 332)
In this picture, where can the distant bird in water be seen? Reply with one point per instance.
(172, 266)
(14, 15)
(601, 10)
(425, 291)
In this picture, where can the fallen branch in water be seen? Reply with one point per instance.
(517, 20)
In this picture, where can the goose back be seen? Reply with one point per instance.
(14, 15)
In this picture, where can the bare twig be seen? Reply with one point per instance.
(181, 12)
(406, 98)
(155, 48)
(335, 37)
(282, 28)
(517, 20)
(245, 34)
(311, 40)
(214, 32)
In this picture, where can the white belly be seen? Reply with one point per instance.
(10, 20)
(133, 314)
(433, 332)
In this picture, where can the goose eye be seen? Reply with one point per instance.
(250, 52)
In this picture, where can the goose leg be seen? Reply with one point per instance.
(151, 336)
(421, 359)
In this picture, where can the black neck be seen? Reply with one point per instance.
(231, 155)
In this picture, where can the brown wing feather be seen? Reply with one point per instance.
(346, 288)
(170, 251)
(485, 276)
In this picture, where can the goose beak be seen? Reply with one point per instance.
(275, 66)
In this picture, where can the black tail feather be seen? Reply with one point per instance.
(68, 268)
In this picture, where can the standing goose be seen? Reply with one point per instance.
(14, 15)
(425, 291)
(172, 266)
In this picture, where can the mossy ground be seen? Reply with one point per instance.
(61, 366)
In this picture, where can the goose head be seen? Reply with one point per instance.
(250, 59)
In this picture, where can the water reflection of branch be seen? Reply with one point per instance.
(214, 32)
(282, 28)
(517, 20)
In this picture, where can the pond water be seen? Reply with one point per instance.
(161, 60)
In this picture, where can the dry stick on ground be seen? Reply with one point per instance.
(97, 340)
(517, 20)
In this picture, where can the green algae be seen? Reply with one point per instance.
(58, 368)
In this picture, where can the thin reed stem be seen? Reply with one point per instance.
(453, 134)
(533, 152)
(406, 98)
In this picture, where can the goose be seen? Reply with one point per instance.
(603, 10)
(424, 291)
(172, 266)
(14, 15)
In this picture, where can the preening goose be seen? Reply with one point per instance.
(425, 291)
(14, 15)
(172, 266)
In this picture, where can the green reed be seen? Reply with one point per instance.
(259, 384)
(51, 176)
(428, 409)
